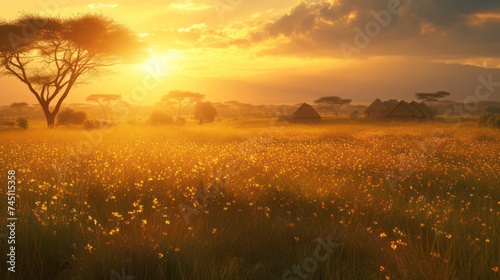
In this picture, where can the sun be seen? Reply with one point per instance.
(158, 64)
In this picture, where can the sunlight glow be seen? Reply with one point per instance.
(159, 64)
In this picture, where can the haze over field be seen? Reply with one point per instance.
(290, 52)
(250, 140)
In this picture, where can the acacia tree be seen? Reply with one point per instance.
(234, 105)
(18, 106)
(182, 99)
(105, 101)
(52, 55)
(432, 98)
(333, 102)
(204, 112)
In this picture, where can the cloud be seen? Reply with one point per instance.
(427, 28)
(190, 5)
(102, 5)
(194, 36)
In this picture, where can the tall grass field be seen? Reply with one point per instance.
(254, 199)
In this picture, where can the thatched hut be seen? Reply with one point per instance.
(380, 109)
(425, 109)
(390, 104)
(304, 114)
(376, 110)
(414, 111)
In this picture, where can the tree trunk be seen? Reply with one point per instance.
(49, 116)
(50, 120)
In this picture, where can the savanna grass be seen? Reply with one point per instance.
(403, 201)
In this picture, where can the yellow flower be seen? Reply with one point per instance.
(88, 247)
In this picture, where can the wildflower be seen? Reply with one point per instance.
(89, 247)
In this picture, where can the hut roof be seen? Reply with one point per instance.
(405, 109)
(391, 103)
(423, 108)
(306, 111)
(376, 105)
(429, 109)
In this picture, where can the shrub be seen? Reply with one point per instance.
(159, 118)
(7, 123)
(497, 122)
(90, 124)
(107, 124)
(70, 116)
(22, 122)
(485, 137)
(490, 120)
(181, 121)
(493, 109)
(205, 112)
(484, 118)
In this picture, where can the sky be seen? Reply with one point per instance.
(284, 51)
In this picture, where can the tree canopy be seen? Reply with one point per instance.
(204, 112)
(333, 102)
(183, 99)
(432, 97)
(52, 55)
(105, 101)
(19, 106)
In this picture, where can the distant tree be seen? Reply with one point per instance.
(183, 100)
(234, 105)
(19, 107)
(204, 112)
(490, 119)
(7, 123)
(493, 109)
(432, 98)
(105, 101)
(246, 108)
(90, 124)
(22, 122)
(261, 109)
(333, 102)
(159, 118)
(52, 55)
(70, 116)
